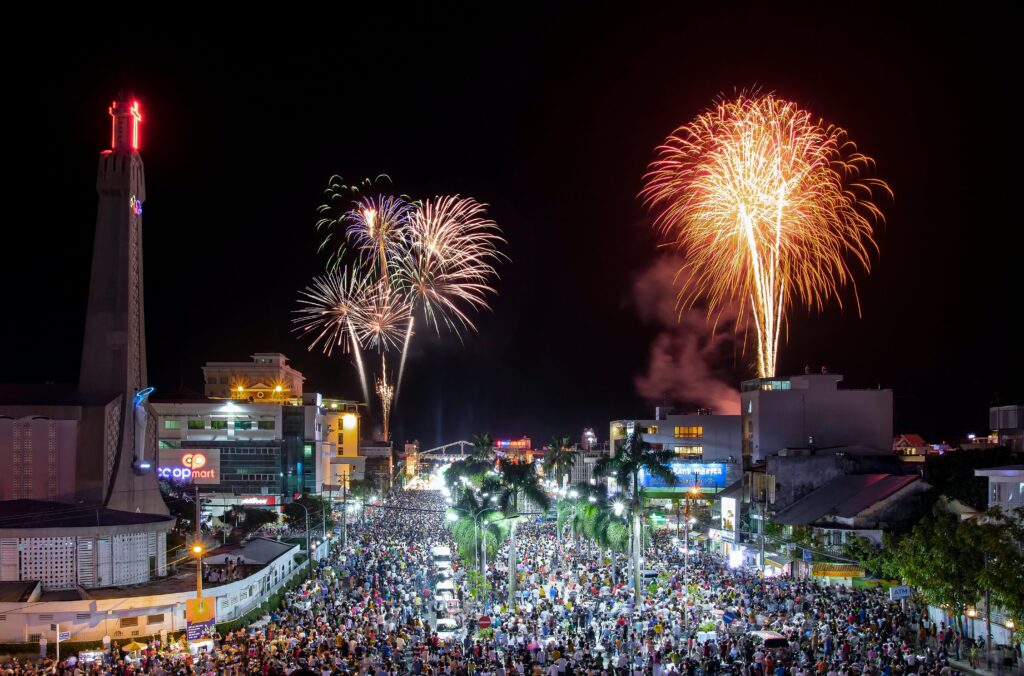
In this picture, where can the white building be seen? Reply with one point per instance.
(266, 378)
(707, 447)
(811, 411)
(1005, 486)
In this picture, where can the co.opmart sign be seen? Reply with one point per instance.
(195, 465)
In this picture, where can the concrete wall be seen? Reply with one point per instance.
(91, 620)
(798, 475)
(815, 408)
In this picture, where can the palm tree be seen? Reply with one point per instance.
(483, 447)
(559, 458)
(591, 514)
(636, 456)
(477, 526)
(519, 484)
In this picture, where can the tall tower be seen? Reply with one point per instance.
(113, 372)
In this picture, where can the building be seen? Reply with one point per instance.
(812, 411)
(263, 447)
(91, 447)
(707, 448)
(1007, 424)
(1005, 486)
(911, 446)
(267, 378)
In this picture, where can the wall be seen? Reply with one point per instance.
(815, 407)
(90, 620)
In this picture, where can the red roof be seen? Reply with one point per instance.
(911, 439)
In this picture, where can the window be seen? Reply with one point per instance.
(155, 619)
(129, 622)
(195, 424)
(309, 450)
(693, 432)
(218, 424)
(691, 452)
(169, 443)
(243, 424)
(266, 424)
(172, 424)
(653, 429)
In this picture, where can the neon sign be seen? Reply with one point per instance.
(135, 205)
(194, 465)
(689, 474)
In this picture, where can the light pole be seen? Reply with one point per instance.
(197, 549)
(475, 516)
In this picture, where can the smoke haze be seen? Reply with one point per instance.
(690, 359)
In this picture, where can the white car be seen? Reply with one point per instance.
(448, 630)
(445, 589)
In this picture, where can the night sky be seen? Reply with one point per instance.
(551, 118)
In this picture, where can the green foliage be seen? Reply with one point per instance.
(250, 519)
(634, 456)
(318, 507)
(942, 558)
(559, 457)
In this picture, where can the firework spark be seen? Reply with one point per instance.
(383, 318)
(331, 308)
(385, 391)
(767, 205)
(377, 225)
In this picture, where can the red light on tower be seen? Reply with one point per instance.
(124, 125)
(136, 118)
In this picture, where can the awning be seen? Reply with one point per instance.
(836, 570)
(777, 560)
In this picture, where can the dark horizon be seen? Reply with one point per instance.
(551, 118)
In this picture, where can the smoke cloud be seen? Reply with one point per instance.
(689, 357)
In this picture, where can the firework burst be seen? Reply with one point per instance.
(768, 205)
(383, 318)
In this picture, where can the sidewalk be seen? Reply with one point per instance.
(997, 668)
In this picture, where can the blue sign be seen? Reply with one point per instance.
(728, 618)
(197, 630)
(808, 555)
(701, 474)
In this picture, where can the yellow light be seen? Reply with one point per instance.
(240, 388)
(197, 549)
(349, 421)
(972, 613)
(1009, 624)
(278, 388)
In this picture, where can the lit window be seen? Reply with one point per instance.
(172, 424)
(218, 424)
(243, 424)
(653, 429)
(266, 424)
(197, 424)
(692, 452)
(689, 432)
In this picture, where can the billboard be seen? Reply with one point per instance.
(199, 617)
(702, 474)
(193, 465)
(259, 500)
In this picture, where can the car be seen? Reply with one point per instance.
(769, 639)
(448, 629)
(445, 589)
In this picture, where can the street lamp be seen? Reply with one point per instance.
(197, 549)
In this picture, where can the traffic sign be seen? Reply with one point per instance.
(728, 618)
(808, 555)
(483, 622)
(64, 636)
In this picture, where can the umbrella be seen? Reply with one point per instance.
(134, 647)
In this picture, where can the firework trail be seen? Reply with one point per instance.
(766, 204)
(331, 308)
(386, 393)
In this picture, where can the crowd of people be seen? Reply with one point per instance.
(368, 608)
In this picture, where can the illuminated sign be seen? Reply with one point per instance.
(259, 500)
(688, 474)
(196, 465)
(729, 518)
(523, 444)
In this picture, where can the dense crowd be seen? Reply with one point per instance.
(369, 608)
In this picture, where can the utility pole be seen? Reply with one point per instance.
(764, 512)
(344, 511)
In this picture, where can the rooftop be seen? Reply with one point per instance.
(845, 496)
(16, 592)
(41, 514)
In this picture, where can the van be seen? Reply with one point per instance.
(441, 556)
(769, 639)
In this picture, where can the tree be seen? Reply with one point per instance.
(1001, 537)
(559, 458)
(636, 456)
(519, 483)
(941, 557)
(483, 447)
(319, 513)
(250, 519)
(478, 527)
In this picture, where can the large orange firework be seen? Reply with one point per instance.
(768, 206)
